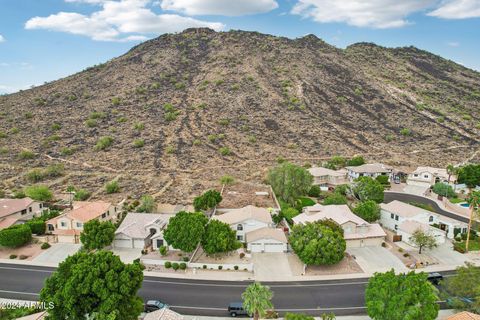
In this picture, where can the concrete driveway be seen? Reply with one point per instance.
(57, 253)
(445, 255)
(376, 259)
(127, 255)
(271, 266)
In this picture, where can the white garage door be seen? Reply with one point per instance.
(122, 243)
(275, 247)
(267, 246)
(67, 239)
(256, 247)
(139, 244)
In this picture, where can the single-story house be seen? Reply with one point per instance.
(428, 176)
(68, 226)
(393, 214)
(17, 211)
(372, 170)
(357, 232)
(267, 240)
(163, 314)
(141, 230)
(464, 315)
(408, 227)
(324, 177)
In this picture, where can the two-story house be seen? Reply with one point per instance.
(357, 232)
(404, 218)
(68, 226)
(17, 211)
(142, 230)
(324, 177)
(428, 176)
(255, 227)
(372, 170)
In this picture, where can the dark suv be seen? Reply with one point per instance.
(154, 305)
(236, 309)
(435, 278)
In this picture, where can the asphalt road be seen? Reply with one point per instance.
(405, 197)
(209, 298)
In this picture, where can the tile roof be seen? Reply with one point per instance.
(404, 209)
(84, 211)
(266, 233)
(320, 172)
(11, 206)
(134, 225)
(464, 315)
(410, 226)
(245, 213)
(163, 314)
(371, 168)
(437, 172)
(338, 213)
(7, 222)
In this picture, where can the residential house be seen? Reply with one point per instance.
(357, 232)
(407, 228)
(324, 177)
(141, 230)
(68, 226)
(255, 227)
(372, 170)
(17, 211)
(428, 176)
(163, 314)
(464, 315)
(395, 213)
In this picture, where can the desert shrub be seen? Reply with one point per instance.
(406, 132)
(39, 193)
(26, 154)
(235, 267)
(14, 130)
(204, 266)
(168, 265)
(45, 245)
(139, 126)
(138, 143)
(122, 119)
(81, 195)
(163, 250)
(35, 175)
(185, 259)
(220, 267)
(112, 187)
(65, 151)
(224, 151)
(170, 149)
(197, 142)
(252, 139)
(97, 115)
(13, 256)
(212, 137)
(175, 266)
(224, 122)
(103, 143)
(183, 266)
(91, 123)
(56, 126)
(55, 170)
(3, 135)
(116, 101)
(226, 179)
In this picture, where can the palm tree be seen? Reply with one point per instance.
(257, 299)
(474, 201)
(450, 170)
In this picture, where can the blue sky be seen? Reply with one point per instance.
(49, 39)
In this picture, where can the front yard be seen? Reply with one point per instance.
(26, 252)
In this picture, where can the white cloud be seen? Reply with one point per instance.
(124, 20)
(219, 7)
(453, 44)
(2, 39)
(457, 9)
(361, 13)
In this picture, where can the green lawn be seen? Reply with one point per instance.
(456, 200)
(423, 206)
(305, 202)
(473, 245)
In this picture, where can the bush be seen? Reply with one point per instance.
(406, 132)
(356, 161)
(220, 267)
(139, 126)
(35, 175)
(116, 101)
(235, 267)
(138, 143)
(183, 266)
(37, 226)
(368, 210)
(383, 180)
(335, 198)
(91, 123)
(443, 189)
(15, 236)
(226, 179)
(39, 193)
(81, 195)
(45, 245)
(163, 250)
(13, 256)
(204, 266)
(224, 151)
(54, 170)
(22, 257)
(314, 192)
(175, 266)
(168, 265)
(26, 154)
(185, 259)
(242, 255)
(103, 143)
(112, 187)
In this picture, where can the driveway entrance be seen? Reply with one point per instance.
(271, 266)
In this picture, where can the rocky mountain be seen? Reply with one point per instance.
(175, 113)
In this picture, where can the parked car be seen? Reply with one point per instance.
(154, 305)
(455, 302)
(236, 309)
(435, 278)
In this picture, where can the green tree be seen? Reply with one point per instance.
(37, 226)
(298, 316)
(94, 286)
(318, 243)
(470, 175)
(314, 192)
(422, 240)
(219, 237)
(147, 204)
(290, 181)
(366, 188)
(208, 200)
(474, 202)
(465, 283)
(356, 161)
(368, 210)
(443, 189)
(15, 236)
(384, 180)
(336, 162)
(39, 193)
(257, 300)
(97, 234)
(185, 230)
(451, 170)
(401, 297)
(335, 198)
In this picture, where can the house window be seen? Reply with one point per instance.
(63, 224)
(51, 227)
(79, 225)
(30, 209)
(464, 230)
(104, 215)
(41, 205)
(159, 243)
(415, 175)
(396, 217)
(396, 227)
(430, 219)
(153, 231)
(24, 211)
(392, 215)
(426, 176)
(240, 238)
(239, 227)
